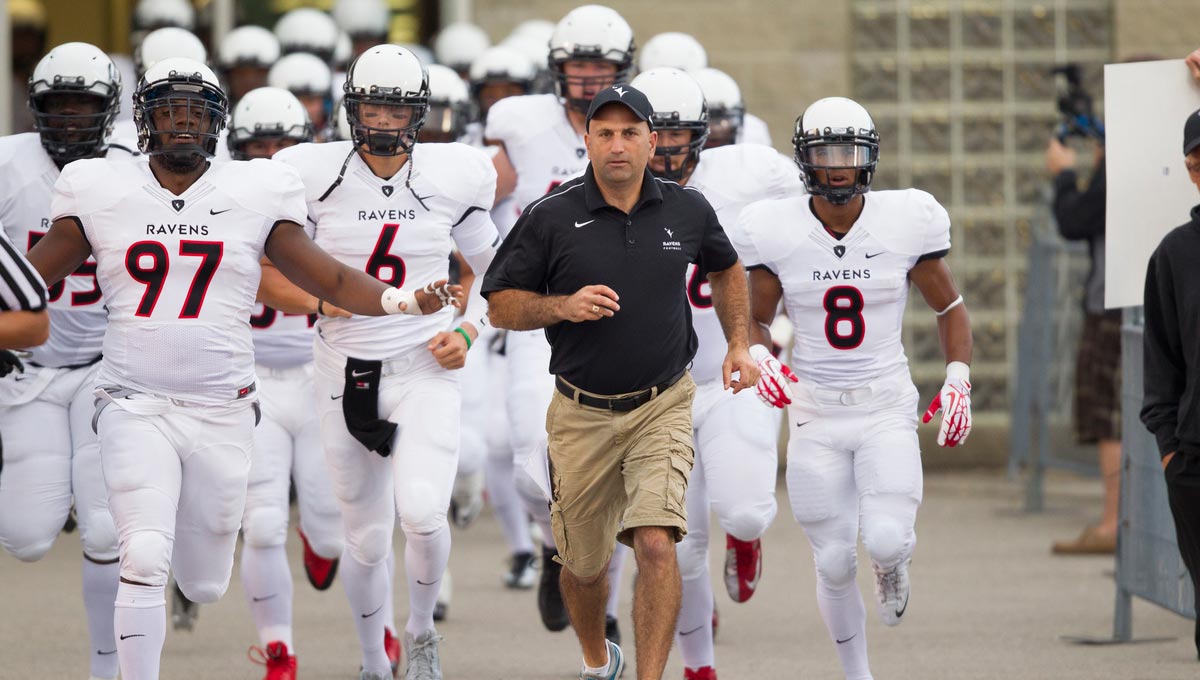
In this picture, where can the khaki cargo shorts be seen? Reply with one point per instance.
(612, 472)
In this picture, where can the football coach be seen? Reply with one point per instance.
(600, 264)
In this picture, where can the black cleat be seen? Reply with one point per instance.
(549, 599)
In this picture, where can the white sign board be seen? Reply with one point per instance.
(1149, 193)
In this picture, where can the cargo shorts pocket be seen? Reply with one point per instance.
(679, 470)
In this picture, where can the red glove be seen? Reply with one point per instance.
(954, 401)
(774, 382)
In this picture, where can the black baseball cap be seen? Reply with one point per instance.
(630, 97)
(1191, 132)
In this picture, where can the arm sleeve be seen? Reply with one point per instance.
(1080, 214)
(716, 252)
(21, 287)
(1162, 356)
(937, 230)
(522, 261)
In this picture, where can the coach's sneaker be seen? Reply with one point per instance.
(612, 630)
(706, 673)
(280, 665)
(549, 599)
(743, 567)
(891, 590)
(445, 591)
(391, 647)
(616, 666)
(183, 611)
(423, 660)
(320, 571)
(522, 573)
(466, 501)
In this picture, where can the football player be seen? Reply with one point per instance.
(842, 260)
(736, 457)
(51, 455)
(245, 57)
(729, 123)
(459, 45)
(541, 141)
(387, 391)
(177, 241)
(306, 76)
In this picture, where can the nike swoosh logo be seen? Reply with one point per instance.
(803, 424)
(753, 585)
(869, 255)
(218, 212)
(357, 374)
(900, 611)
(103, 653)
(367, 616)
(337, 397)
(18, 378)
(842, 642)
(260, 599)
(583, 224)
(419, 581)
(692, 630)
(126, 637)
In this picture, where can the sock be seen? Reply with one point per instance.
(366, 589)
(693, 630)
(845, 616)
(99, 594)
(425, 559)
(140, 622)
(267, 580)
(615, 568)
(602, 670)
(389, 605)
(506, 504)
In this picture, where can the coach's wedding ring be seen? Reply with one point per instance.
(595, 308)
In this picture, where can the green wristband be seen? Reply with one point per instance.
(466, 335)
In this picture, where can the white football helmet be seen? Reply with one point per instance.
(726, 111)
(168, 42)
(267, 112)
(678, 104)
(252, 46)
(538, 29)
(501, 64)
(449, 105)
(343, 52)
(422, 52)
(340, 130)
(74, 68)
(301, 73)
(460, 44)
(534, 49)
(386, 75)
(152, 14)
(172, 83)
(362, 19)
(590, 33)
(308, 30)
(677, 50)
(836, 133)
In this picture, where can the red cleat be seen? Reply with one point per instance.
(319, 570)
(743, 567)
(391, 645)
(706, 673)
(280, 665)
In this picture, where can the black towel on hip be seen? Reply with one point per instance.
(360, 406)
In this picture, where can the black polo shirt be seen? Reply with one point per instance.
(573, 238)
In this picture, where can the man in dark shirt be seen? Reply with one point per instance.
(1097, 408)
(600, 263)
(1171, 352)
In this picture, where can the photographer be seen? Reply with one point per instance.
(1097, 408)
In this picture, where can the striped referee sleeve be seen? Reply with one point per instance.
(21, 287)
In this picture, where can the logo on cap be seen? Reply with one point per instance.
(620, 92)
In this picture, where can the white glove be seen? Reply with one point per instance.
(954, 401)
(772, 387)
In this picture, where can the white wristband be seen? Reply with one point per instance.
(392, 297)
(958, 369)
(957, 301)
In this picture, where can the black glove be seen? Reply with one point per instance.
(9, 362)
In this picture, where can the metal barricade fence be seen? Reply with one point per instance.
(1040, 436)
(1148, 562)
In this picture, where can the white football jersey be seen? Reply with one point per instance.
(281, 340)
(400, 230)
(731, 177)
(179, 273)
(540, 142)
(77, 315)
(845, 298)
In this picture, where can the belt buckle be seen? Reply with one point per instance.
(846, 399)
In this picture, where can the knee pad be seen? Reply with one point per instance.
(147, 558)
(265, 527)
(324, 536)
(747, 522)
(836, 565)
(369, 545)
(29, 551)
(692, 555)
(99, 537)
(887, 540)
(203, 592)
(420, 507)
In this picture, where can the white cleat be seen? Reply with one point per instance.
(424, 663)
(523, 571)
(891, 591)
(466, 501)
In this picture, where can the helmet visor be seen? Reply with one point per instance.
(829, 156)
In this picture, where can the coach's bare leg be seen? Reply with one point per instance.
(585, 599)
(655, 599)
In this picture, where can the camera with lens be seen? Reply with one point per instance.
(1075, 106)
